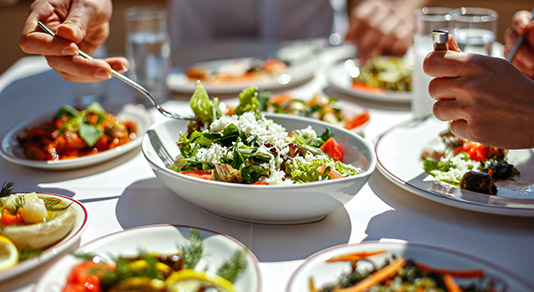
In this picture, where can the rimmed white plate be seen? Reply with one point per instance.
(338, 76)
(58, 248)
(398, 152)
(11, 150)
(322, 272)
(296, 74)
(158, 238)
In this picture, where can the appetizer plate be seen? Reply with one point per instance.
(58, 248)
(398, 153)
(157, 238)
(296, 74)
(11, 151)
(338, 76)
(270, 204)
(322, 272)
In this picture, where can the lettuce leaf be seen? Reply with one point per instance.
(204, 108)
(248, 101)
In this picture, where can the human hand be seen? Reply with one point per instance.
(379, 27)
(524, 57)
(486, 99)
(79, 25)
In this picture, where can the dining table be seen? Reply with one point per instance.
(124, 193)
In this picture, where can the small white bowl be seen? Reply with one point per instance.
(272, 204)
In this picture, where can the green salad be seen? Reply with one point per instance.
(248, 148)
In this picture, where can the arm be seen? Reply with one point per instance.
(79, 25)
(486, 99)
(524, 57)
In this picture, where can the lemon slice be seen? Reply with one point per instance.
(9, 255)
(188, 280)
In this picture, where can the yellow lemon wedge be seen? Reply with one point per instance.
(188, 280)
(9, 255)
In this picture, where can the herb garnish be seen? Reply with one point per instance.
(7, 189)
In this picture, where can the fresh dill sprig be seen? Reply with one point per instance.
(84, 256)
(193, 252)
(233, 267)
(7, 189)
(29, 253)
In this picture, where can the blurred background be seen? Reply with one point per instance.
(13, 14)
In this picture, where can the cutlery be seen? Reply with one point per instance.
(130, 82)
(517, 43)
(163, 154)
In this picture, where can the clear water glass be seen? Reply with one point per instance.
(426, 20)
(148, 51)
(475, 29)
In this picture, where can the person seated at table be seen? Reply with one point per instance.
(85, 26)
(487, 100)
(382, 27)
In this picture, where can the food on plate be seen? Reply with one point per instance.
(249, 148)
(468, 165)
(326, 109)
(32, 222)
(239, 70)
(73, 133)
(395, 273)
(150, 271)
(384, 73)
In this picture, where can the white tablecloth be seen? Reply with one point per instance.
(125, 193)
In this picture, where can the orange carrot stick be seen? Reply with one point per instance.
(355, 256)
(311, 285)
(451, 285)
(376, 277)
(455, 273)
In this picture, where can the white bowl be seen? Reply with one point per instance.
(272, 204)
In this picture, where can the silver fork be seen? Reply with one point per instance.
(130, 82)
(162, 153)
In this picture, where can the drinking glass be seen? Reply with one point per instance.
(148, 50)
(475, 29)
(426, 20)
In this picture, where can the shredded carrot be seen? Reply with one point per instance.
(280, 99)
(454, 273)
(376, 278)
(451, 285)
(311, 285)
(355, 256)
(366, 87)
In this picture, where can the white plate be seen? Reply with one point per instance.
(322, 272)
(158, 238)
(340, 79)
(63, 245)
(296, 74)
(11, 151)
(398, 151)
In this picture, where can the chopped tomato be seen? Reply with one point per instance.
(332, 174)
(203, 174)
(260, 183)
(9, 219)
(357, 120)
(476, 151)
(85, 277)
(332, 149)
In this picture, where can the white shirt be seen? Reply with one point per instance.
(202, 21)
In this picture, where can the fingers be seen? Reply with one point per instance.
(445, 63)
(520, 22)
(78, 68)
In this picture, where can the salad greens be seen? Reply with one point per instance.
(77, 122)
(248, 148)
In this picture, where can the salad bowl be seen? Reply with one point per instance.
(270, 204)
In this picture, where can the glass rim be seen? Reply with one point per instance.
(137, 13)
(433, 14)
(474, 14)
